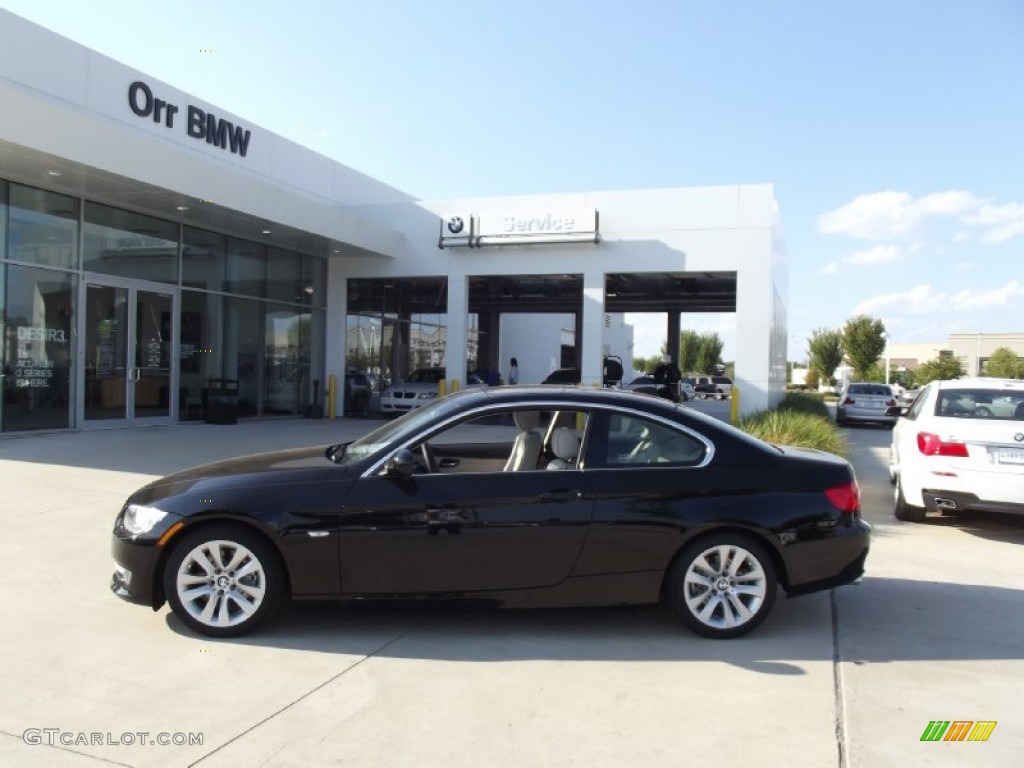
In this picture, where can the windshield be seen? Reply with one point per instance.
(391, 432)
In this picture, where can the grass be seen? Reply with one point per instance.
(790, 426)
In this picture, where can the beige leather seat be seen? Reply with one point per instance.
(566, 447)
(526, 449)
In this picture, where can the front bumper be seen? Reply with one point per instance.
(136, 565)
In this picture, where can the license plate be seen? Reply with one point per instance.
(1011, 457)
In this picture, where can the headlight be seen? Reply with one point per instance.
(138, 519)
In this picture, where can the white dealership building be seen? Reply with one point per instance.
(156, 249)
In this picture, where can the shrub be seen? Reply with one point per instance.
(790, 427)
(805, 402)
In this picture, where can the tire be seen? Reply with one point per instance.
(904, 511)
(702, 395)
(703, 582)
(238, 603)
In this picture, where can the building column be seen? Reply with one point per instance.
(592, 326)
(673, 328)
(456, 341)
(336, 333)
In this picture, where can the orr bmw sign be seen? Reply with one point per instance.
(564, 225)
(199, 124)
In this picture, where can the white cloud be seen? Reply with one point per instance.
(880, 254)
(898, 215)
(829, 269)
(1002, 221)
(924, 300)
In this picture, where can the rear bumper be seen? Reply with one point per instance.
(828, 562)
(936, 500)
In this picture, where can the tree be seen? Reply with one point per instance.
(709, 352)
(945, 366)
(1005, 364)
(864, 342)
(826, 352)
(689, 345)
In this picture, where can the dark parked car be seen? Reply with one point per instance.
(610, 377)
(523, 497)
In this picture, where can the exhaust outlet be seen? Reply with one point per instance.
(942, 503)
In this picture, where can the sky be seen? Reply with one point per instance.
(891, 131)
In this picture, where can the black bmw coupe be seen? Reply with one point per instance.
(518, 496)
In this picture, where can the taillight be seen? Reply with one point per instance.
(845, 497)
(933, 445)
(849, 401)
(890, 403)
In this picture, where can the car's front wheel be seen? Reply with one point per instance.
(722, 586)
(223, 580)
(903, 510)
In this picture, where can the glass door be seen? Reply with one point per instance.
(129, 354)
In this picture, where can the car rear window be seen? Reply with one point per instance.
(870, 389)
(980, 404)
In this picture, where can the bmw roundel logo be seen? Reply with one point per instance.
(455, 224)
(1019, 437)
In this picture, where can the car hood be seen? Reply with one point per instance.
(294, 465)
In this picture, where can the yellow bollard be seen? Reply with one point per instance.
(734, 405)
(332, 383)
(442, 388)
(455, 385)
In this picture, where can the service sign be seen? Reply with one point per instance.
(545, 225)
(525, 227)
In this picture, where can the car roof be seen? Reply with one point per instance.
(980, 382)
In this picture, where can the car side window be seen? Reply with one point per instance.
(918, 405)
(623, 440)
(504, 441)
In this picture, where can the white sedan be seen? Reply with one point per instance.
(960, 448)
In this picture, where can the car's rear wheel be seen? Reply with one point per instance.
(223, 580)
(722, 586)
(903, 510)
(702, 395)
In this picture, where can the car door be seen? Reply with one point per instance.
(649, 481)
(452, 531)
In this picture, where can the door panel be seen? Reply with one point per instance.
(470, 532)
(153, 328)
(106, 352)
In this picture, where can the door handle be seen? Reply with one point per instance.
(562, 494)
(134, 374)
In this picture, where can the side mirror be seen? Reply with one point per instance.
(403, 463)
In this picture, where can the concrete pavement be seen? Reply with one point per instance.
(847, 679)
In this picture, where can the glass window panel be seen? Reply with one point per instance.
(246, 267)
(3, 227)
(202, 259)
(286, 363)
(284, 276)
(43, 227)
(38, 348)
(241, 351)
(311, 350)
(117, 242)
(314, 281)
(202, 330)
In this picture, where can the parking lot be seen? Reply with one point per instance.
(848, 678)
